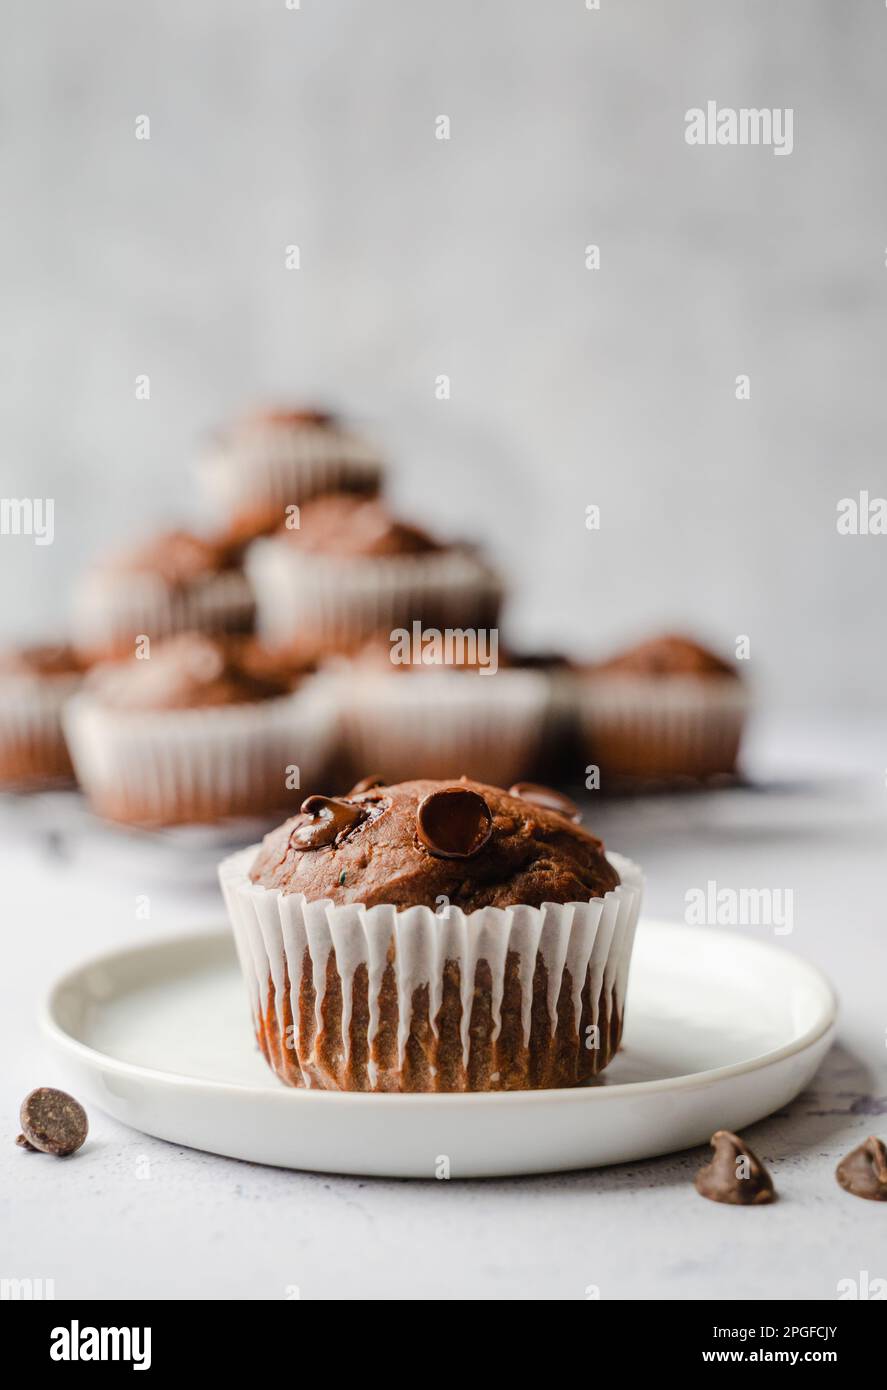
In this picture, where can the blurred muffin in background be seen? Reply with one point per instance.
(35, 682)
(174, 582)
(665, 710)
(203, 729)
(350, 569)
(559, 756)
(273, 459)
(442, 718)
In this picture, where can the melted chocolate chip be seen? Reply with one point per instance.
(52, 1121)
(332, 818)
(454, 823)
(863, 1171)
(547, 798)
(366, 784)
(735, 1175)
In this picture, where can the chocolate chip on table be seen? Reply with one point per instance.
(863, 1172)
(546, 798)
(53, 1122)
(366, 784)
(454, 822)
(735, 1175)
(331, 818)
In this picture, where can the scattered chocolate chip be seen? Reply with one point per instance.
(52, 1121)
(547, 798)
(332, 817)
(735, 1175)
(366, 784)
(23, 1144)
(864, 1171)
(454, 822)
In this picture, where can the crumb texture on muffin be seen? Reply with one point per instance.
(533, 855)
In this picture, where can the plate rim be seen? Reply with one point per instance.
(59, 1037)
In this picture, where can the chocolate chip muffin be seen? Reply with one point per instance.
(272, 459)
(35, 682)
(434, 936)
(432, 712)
(174, 582)
(199, 730)
(670, 655)
(664, 712)
(351, 570)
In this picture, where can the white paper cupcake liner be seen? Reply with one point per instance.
(345, 601)
(267, 467)
(112, 609)
(285, 942)
(33, 751)
(439, 724)
(180, 766)
(661, 728)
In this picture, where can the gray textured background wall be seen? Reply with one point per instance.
(315, 126)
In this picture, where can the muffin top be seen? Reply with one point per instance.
(668, 656)
(289, 418)
(45, 660)
(190, 671)
(353, 526)
(413, 843)
(179, 557)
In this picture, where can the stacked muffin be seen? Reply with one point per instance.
(378, 646)
(202, 729)
(663, 712)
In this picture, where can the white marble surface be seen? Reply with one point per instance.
(134, 1217)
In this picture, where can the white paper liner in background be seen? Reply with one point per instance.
(274, 930)
(672, 726)
(231, 758)
(111, 609)
(31, 726)
(346, 600)
(438, 723)
(264, 466)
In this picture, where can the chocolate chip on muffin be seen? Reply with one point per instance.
(547, 798)
(519, 852)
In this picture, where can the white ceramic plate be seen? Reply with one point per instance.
(721, 1030)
